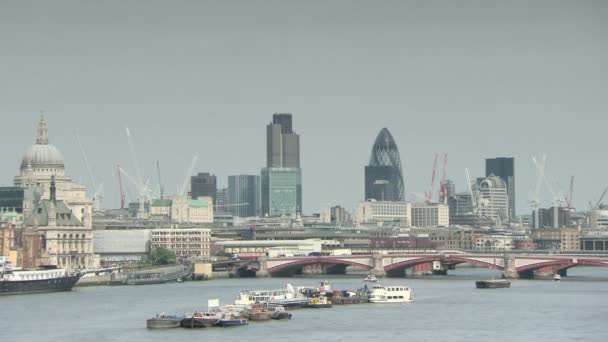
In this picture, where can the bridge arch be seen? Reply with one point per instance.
(447, 259)
(562, 264)
(316, 260)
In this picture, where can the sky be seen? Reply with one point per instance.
(473, 79)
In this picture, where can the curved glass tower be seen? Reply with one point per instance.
(383, 175)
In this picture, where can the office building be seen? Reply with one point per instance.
(430, 215)
(244, 195)
(384, 213)
(203, 185)
(383, 175)
(493, 199)
(281, 179)
(505, 169)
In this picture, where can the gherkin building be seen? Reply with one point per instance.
(383, 175)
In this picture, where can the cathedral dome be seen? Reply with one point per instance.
(42, 154)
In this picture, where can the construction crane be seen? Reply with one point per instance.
(160, 184)
(599, 202)
(429, 194)
(558, 197)
(182, 190)
(98, 190)
(143, 189)
(470, 189)
(535, 201)
(443, 190)
(122, 192)
(571, 195)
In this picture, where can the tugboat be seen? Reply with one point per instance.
(45, 279)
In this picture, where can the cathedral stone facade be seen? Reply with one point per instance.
(60, 214)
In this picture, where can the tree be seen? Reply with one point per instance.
(161, 256)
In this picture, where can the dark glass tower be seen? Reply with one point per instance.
(383, 175)
(281, 180)
(203, 184)
(505, 169)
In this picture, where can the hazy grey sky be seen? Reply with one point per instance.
(473, 79)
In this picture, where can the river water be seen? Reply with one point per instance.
(445, 308)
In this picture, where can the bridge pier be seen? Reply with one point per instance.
(262, 272)
(547, 272)
(378, 268)
(440, 268)
(313, 269)
(423, 269)
(509, 271)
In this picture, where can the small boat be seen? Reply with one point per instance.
(370, 278)
(280, 313)
(259, 313)
(492, 284)
(199, 320)
(163, 321)
(318, 303)
(557, 277)
(390, 294)
(231, 320)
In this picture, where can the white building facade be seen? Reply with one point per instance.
(384, 213)
(185, 242)
(430, 215)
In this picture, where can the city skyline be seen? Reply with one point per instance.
(458, 86)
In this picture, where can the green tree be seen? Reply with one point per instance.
(161, 256)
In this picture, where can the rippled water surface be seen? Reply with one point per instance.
(445, 308)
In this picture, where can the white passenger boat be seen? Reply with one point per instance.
(557, 277)
(286, 297)
(390, 294)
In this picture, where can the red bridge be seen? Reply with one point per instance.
(512, 265)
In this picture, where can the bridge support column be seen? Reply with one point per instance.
(262, 272)
(423, 269)
(547, 272)
(313, 269)
(440, 268)
(378, 269)
(510, 272)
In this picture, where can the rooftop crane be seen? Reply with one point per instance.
(98, 190)
(122, 192)
(429, 194)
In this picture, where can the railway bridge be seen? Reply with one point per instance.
(512, 266)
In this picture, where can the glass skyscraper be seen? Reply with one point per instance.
(383, 175)
(244, 197)
(281, 191)
(282, 176)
